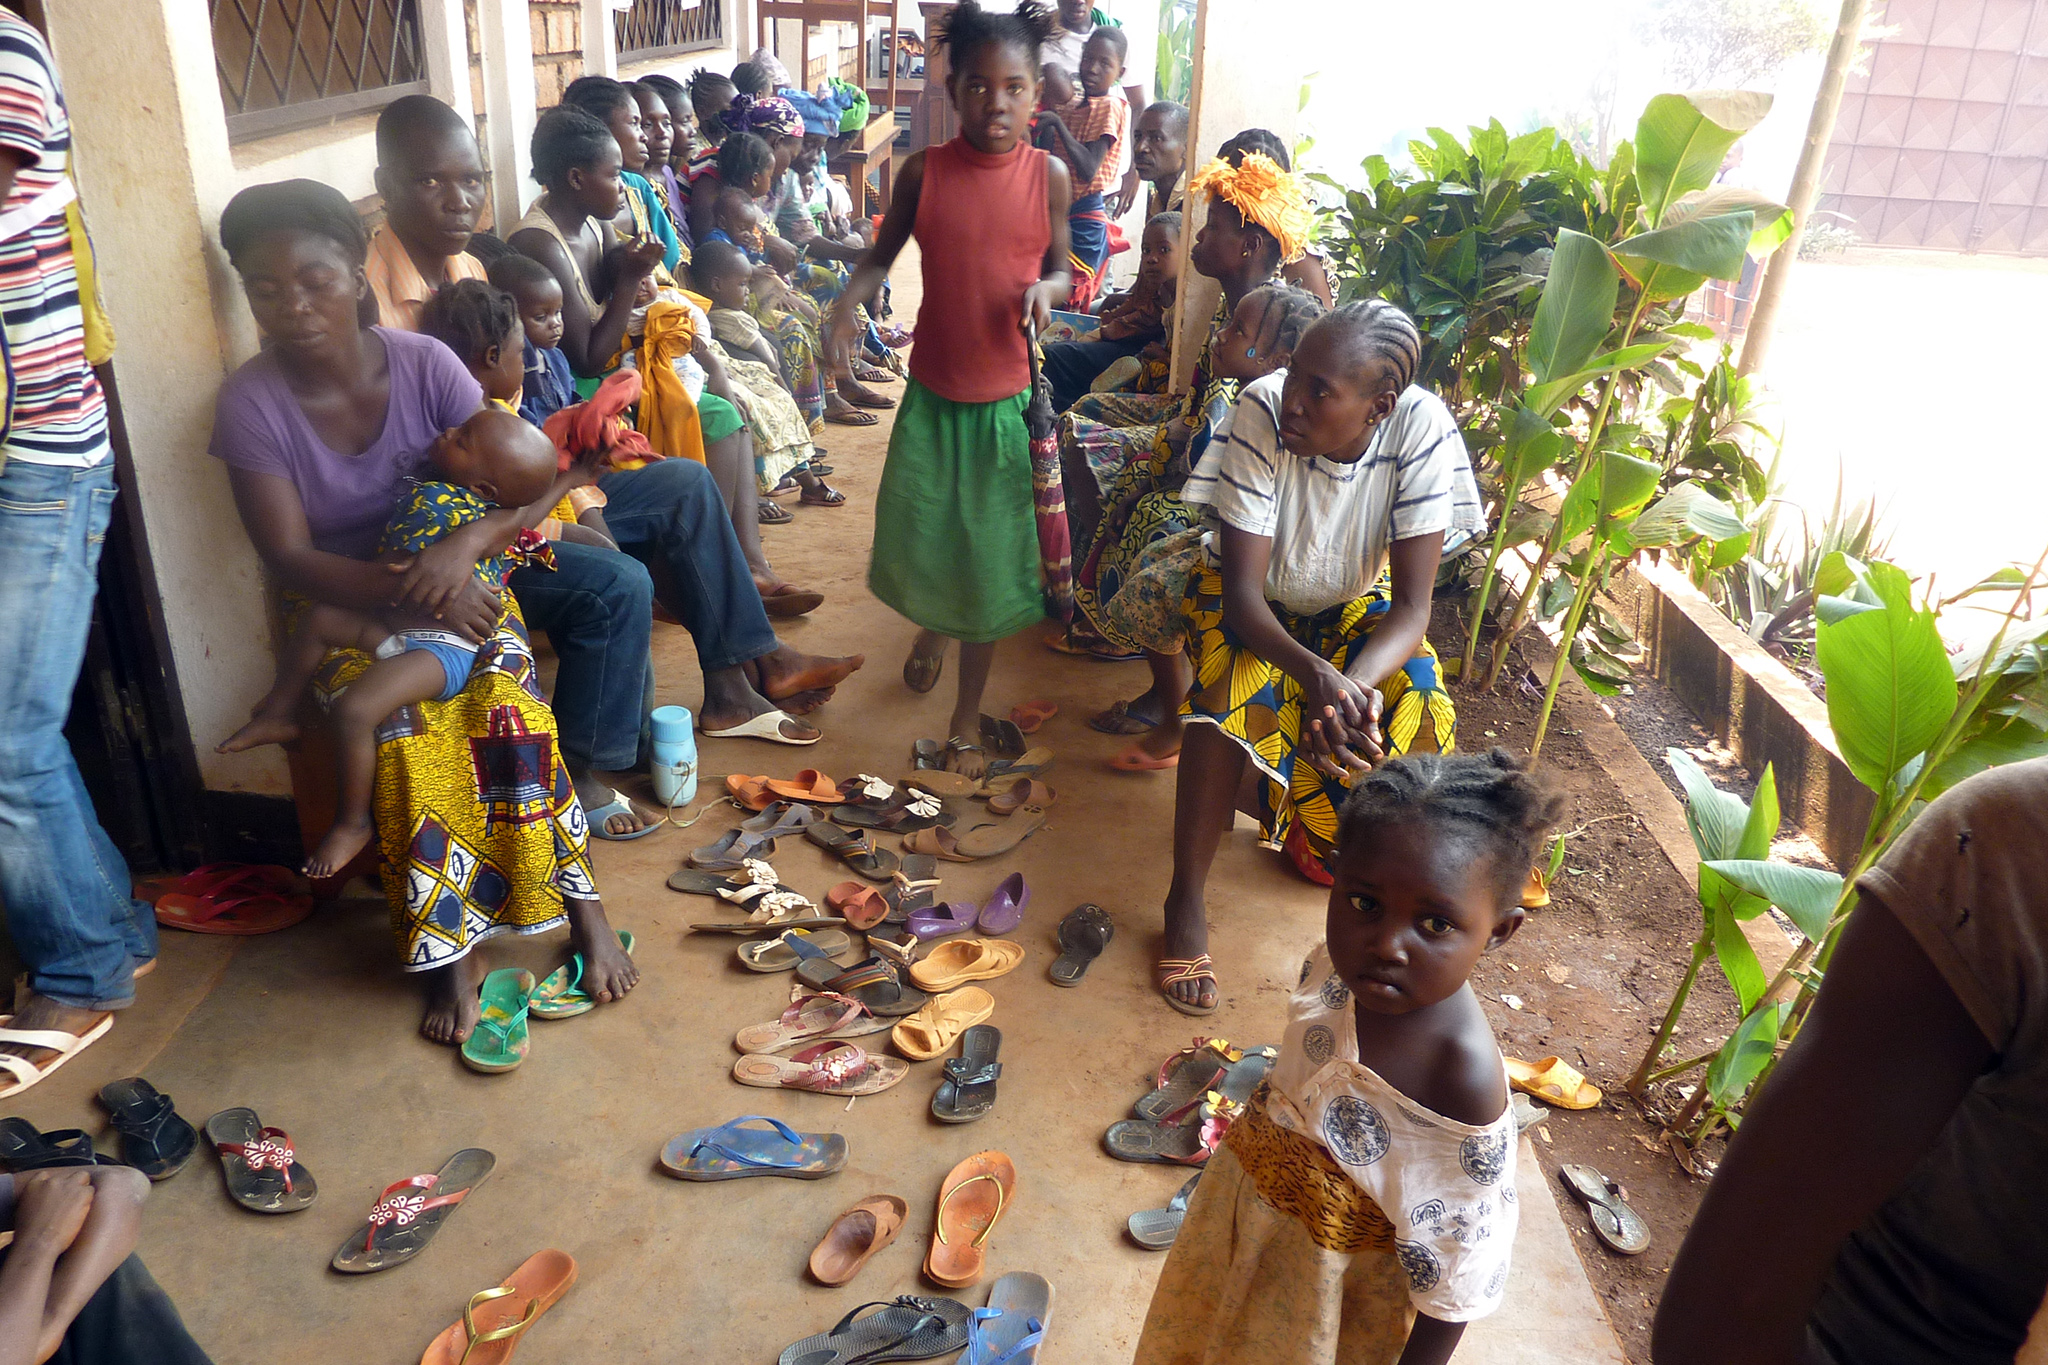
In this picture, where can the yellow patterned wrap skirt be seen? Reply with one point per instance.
(1259, 705)
(1282, 1257)
(477, 820)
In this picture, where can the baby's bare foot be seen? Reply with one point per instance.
(339, 848)
(260, 730)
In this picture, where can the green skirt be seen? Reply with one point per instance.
(956, 537)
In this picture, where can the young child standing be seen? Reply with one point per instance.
(496, 458)
(1087, 135)
(1363, 1209)
(956, 537)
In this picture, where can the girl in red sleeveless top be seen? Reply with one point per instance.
(956, 542)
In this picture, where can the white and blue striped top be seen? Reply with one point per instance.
(1332, 524)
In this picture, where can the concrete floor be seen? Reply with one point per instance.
(315, 1029)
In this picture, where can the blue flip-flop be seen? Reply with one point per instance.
(1010, 1330)
(732, 1152)
(618, 805)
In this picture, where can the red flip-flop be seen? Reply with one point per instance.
(242, 899)
(1136, 760)
(1033, 714)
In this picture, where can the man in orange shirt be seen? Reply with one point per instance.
(432, 178)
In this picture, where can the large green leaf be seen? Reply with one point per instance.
(1762, 825)
(1743, 1057)
(1807, 895)
(1626, 485)
(1716, 818)
(1773, 221)
(2002, 740)
(1681, 139)
(1687, 512)
(1738, 960)
(1545, 399)
(1672, 261)
(1580, 508)
(1890, 689)
(1576, 309)
(1529, 445)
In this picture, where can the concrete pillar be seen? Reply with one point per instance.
(154, 169)
(1248, 73)
(445, 46)
(600, 38)
(507, 39)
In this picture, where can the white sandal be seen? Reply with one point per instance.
(66, 1045)
(767, 725)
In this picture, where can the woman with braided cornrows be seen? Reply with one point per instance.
(1362, 1209)
(1340, 488)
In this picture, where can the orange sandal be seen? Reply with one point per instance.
(973, 1197)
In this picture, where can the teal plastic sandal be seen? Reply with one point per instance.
(561, 995)
(499, 1042)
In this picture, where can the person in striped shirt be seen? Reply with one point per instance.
(83, 937)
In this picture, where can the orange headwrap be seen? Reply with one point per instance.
(1264, 194)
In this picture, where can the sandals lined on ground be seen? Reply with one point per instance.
(811, 1019)
(874, 982)
(501, 1040)
(66, 1045)
(857, 851)
(259, 1164)
(560, 995)
(969, 1091)
(973, 1197)
(1156, 1229)
(1554, 1081)
(911, 1327)
(24, 1148)
(732, 1151)
(154, 1139)
(409, 1213)
(1083, 934)
(960, 961)
(854, 1238)
(1615, 1222)
(792, 946)
(944, 1018)
(1012, 1328)
(830, 1068)
(494, 1320)
(229, 898)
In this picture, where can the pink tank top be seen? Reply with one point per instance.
(983, 231)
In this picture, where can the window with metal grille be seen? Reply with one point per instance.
(289, 63)
(662, 28)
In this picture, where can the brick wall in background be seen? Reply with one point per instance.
(476, 99)
(557, 47)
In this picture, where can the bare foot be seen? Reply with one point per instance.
(261, 730)
(786, 672)
(607, 972)
(970, 762)
(803, 703)
(338, 849)
(1163, 740)
(452, 1006)
(853, 391)
(38, 1012)
(1187, 938)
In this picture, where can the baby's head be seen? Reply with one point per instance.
(1102, 60)
(722, 271)
(497, 455)
(1432, 854)
(1159, 248)
(536, 293)
(481, 324)
(1057, 87)
(1263, 331)
(1345, 378)
(740, 217)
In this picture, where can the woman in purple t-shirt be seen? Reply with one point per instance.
(476, 817)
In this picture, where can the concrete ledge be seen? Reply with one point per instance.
(1753, 704)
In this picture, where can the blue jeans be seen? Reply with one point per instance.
(598, 610)
(1072, 366)
(64, 885)
(670, 517)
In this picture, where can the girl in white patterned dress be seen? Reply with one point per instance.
(1362, 1210)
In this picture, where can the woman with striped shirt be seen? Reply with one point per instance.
(1333, 494)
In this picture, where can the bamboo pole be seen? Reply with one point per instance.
(1820, 131)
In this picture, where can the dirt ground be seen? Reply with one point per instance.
(1592, 975)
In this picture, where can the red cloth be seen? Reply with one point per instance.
(983, 230)
(599, 423)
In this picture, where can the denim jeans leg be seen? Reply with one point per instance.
(670, 514)
(66, 892)
(597, 606)
(129, 1320)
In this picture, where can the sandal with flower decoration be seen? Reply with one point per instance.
(893, 811)
(1207, 1064)
(809, 1020)
(1185, 1137)
(262, 1170)
(831, 1068)
(410, 1212)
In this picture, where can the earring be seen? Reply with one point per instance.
(1252, 353)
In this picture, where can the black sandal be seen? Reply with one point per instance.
(23, 1148)
(857, 850)
(913, 1327)
(1084, 933)
(154, 1140)
(969, 1090)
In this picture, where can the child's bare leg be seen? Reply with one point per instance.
(271, 720)
(974, 665)
(1172, 679)
(383, 688)
(607, 972)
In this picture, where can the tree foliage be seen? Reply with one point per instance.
(1732, 42)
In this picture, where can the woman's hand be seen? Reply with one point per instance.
(433, 577)
(1039, 301)
(637, 258)
(471, 610)
(1340, 722)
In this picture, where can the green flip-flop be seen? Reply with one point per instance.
(499, 1041)
(561, 995)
